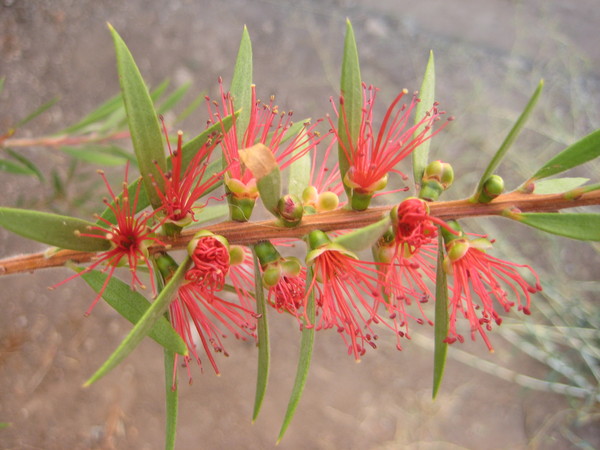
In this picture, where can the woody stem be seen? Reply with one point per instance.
(252, 232)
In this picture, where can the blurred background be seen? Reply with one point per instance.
(489, 57)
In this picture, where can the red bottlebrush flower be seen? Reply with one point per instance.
(343, 286)
(289, 292)
(267, 126)
(375, 154)
(129, 236)
(407, 255)
(184, 186)
(197, 303)
(476, 272)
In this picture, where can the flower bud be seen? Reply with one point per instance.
(327, 201)
(437, 177)
(492, 188)
(236, 255)
(241, 198)
(290, 210)
(271, 275)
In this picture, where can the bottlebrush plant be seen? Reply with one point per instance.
(235, 272)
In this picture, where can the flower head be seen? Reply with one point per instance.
(344, 286)
(476, 272)
(374, 154)
(185, 183)
(197, 305)
(129, 237)
(267, 125)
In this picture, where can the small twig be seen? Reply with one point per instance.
(248, 233)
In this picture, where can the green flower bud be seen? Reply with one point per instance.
(310, 195)
(271, 275)
(492, 188)
(290, 210)
(437, 177)
(327, 201)
(236, 255)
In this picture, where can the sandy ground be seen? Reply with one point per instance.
(489, 57)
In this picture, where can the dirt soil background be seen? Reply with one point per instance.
(489, 57)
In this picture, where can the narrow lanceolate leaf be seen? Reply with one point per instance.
(52, 229)
(263, 165)
(558, 185)
(36, 113)
(132, 305)
(8, 166)
(299, 173)
(580, 152)
(581, 226)
(143, 122)
(173, 99)
(264, 356)
(351, 92)
(306, 350)
(241, 84)
(172, 400)
(508, 141)
(365, 237)
(144, 325)
(27, 163)
(441, 321)
(100, 113)
(420, 155)
(95, 154)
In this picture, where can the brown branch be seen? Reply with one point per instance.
(252, 232)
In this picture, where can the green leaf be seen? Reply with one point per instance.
(132, 305)
(52, 229)
(100, 113)
(264, 357)
(558, 185)
(6, 165)
(143, 122)
(172, 400)
(27, 163)
(365, 237)
(174, 98)
(299, 178)
(508, 141)
(351, 91)
(193, 106)
(581, 226)
(580, 152)
(241, 84)
(144, 325)
(2, 84)
(441, 320)
(95, 154)
(36, 113)
(306, 350)
(420, 155)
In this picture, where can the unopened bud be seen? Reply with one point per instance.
(327, 201)
(290, 210)
(236, 255)
(271, 275)
(492, 188)
(437, 177)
